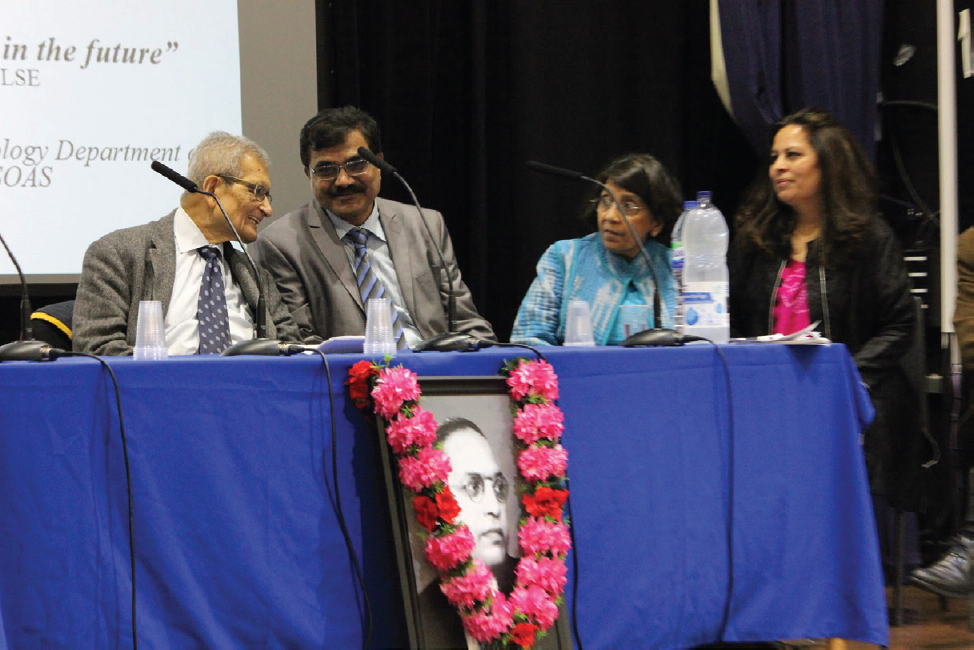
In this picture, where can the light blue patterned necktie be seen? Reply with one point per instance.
(369, 285)
(211, 310)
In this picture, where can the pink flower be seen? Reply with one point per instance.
(427, 468)
(533, 377)
(536, 421)
(474, 586)
(394, 386)
(538, 463)
(451, 550)
(546, 573)
(535, 603)
(489, 623)
(540, 536)
(418, 430)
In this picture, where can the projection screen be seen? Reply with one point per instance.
(91, 91)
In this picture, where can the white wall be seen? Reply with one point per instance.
(279, 86)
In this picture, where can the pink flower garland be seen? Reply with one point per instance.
(487, 615)
(536, 421)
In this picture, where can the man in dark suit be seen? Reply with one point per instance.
(171, 259)
(316, 252)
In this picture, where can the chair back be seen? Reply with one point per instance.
(52, 324)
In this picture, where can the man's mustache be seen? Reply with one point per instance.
(497, 530)
(347, 190)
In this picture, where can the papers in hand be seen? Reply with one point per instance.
(343, 344)
(806, 336)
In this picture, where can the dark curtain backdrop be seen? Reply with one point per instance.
(466, 92)
(784, 56)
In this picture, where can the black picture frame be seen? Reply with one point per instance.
(430, 620)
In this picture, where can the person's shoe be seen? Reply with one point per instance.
(951, 575)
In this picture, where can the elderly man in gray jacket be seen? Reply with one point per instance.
(185, 261)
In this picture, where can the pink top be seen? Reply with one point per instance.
(791, 302)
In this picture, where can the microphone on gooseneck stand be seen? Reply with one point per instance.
(451, 339)
(260, 345)
(177, 178)
(26, 349)
(657, 335)
(558, 171)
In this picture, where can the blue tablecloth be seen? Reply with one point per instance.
(688, 529)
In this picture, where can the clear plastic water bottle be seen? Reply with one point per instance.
(677, 259)
(705, 282)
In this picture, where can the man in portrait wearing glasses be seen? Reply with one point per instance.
(482, 492)
(347, 245)
(208, 290)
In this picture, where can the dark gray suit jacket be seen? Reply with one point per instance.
(303, 253)
(139, 263)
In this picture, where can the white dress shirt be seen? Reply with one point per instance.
(182, 328)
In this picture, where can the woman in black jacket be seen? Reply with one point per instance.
(810, 247)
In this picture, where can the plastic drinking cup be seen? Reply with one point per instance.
(633, 318)
(150, 332)
(378, 328)
(578, 324)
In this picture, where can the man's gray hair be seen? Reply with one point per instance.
(222, 153)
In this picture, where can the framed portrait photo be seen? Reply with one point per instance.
(475, 430)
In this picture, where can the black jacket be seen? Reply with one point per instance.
(864, 303)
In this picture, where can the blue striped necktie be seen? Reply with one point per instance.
(211, 310)
(369, 285)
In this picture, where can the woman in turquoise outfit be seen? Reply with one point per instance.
(606, 268)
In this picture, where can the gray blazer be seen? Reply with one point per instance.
(139, 263)
(304, 254)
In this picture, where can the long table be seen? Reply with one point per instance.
(705, 508)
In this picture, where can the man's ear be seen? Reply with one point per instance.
(210, 183)
(307, 172)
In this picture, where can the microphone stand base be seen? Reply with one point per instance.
(25, 351)
(448, 342)
(654, 337)
(257, 347)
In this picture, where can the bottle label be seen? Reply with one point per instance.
(678, 255)
(705, 304)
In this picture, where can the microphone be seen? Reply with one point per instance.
(380, 163)
(672, 337)
(26, 349)
(557, 171)
(175, 177)
(451, 339)
(243, 347)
